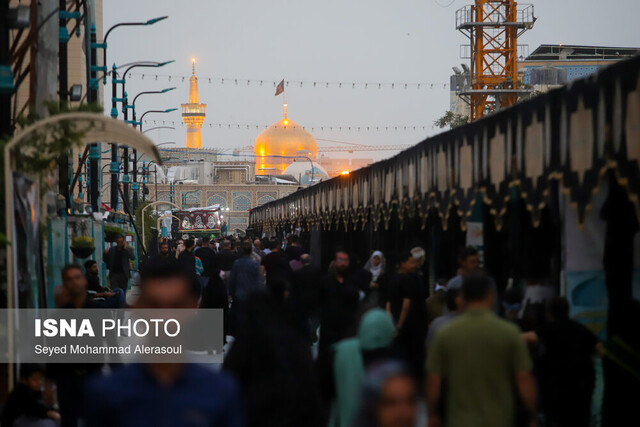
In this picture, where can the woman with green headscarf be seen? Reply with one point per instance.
(374, 338)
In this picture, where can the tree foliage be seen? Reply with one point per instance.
(452, 120)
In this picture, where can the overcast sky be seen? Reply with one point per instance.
(331, 40)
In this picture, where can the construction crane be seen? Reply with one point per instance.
(493, 28)
(346, 149)
(342, 149)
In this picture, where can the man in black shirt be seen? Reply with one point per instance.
(207, 257)
(306, 285)
(275, 265)
(71, 377)
(566, 371)
(25, 406)
(91, 273)
(407, 306)
(187, 260)
(164, 257)
(339, 300)
(293, 250)
(225, 256)
(74, 284)
(117, 258)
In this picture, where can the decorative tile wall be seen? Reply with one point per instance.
(217, 198)
(241, 201)
(164, 196)
(266, 197)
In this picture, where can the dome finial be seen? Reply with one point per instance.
(284, 105)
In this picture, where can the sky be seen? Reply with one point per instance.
(402, 41)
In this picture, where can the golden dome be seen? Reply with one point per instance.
(283, 138)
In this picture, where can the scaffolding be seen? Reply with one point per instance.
(493, 28)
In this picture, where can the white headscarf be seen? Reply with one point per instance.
(375, 271)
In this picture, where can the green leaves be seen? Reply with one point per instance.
(452, 120)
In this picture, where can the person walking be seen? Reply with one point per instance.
(306, 284)
(375, 267)
(118, 258)
(293, 251)
(469, 262)
(407, 306)
(566, 371)
(207, 257)
(71, 377)
(225, 257)
(244, 280)
(352, 357)
(484, 362)
(164, 394)
(257, 247)
(390, 397)
(164, 255)
(187, 260)
(339, 300)
(275, 266)
(273, 364)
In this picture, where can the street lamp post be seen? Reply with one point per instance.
(125, 110)
(139, 123)
(159, 127)
(145, 174)
(114, 147)
(123, 24)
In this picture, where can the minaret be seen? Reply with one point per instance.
(193, 112)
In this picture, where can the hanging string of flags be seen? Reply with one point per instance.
(244, 126)
(291, 83)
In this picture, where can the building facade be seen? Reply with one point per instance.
(191, 178)
(235, 200)
(577, 61)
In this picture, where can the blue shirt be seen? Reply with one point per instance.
(131, 396)
(245, 277)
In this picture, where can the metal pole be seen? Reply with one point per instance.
(94, 149)
(6, 73)
(114, 147)
(125, 153)
(63, 161)
(5, 131)
(135, 167)
(155, 170)
(144, 182)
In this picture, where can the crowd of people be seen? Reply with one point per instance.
(355, 345)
